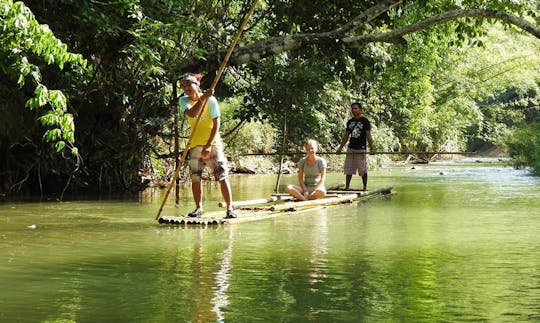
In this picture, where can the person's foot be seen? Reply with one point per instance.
(230, 215)
(197, 213)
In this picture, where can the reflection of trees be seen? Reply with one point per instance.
(303, 285)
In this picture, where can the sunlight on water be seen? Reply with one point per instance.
(456, 242)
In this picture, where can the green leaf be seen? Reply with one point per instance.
(49, 119)
(42, 94)
(20, 81)
(32, 103)
(59, 146)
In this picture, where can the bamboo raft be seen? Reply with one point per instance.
(274, 206)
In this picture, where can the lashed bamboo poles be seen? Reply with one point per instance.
(203, 103)
(257, 212)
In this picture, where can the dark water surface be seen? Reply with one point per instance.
(457, 242)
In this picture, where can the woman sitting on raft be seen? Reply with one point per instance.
(311, 175)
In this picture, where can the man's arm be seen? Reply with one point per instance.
(344, 140)
(215, 130)
(370, 141)
(195, 109)
(208, 147)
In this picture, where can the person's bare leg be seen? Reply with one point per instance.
(294, 193)
(317, 195)
(347, 181)
(197, 194)
(364, 181)
(226, 192)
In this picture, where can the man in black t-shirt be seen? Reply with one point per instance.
(358, 133)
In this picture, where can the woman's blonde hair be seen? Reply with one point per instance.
(313, 143)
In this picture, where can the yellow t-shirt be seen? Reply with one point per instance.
(206, 123)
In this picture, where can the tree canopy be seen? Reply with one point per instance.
(113, 67)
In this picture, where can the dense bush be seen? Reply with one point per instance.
(524, 147)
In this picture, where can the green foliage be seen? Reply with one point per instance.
(421, 92)
(253, 137)
(524, 147)
(494, 87)
(295, 92)
(23, 44)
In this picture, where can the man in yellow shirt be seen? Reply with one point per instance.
(206, 147)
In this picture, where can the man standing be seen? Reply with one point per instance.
(358, 130)
(206, 147)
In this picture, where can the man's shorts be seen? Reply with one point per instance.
(217, 162)
(355, 160)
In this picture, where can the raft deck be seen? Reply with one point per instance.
(274, 206)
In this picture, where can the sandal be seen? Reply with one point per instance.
(197, 213)
(230, 215)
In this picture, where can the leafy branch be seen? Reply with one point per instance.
(23, 40)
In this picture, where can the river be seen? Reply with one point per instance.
(457, 241)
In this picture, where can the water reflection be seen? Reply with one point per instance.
(319, 250)
(221, 299)
(198, 271)
(317, 268)
(463, 246)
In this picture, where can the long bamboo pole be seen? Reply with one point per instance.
(276, 188)
(368, 153)
(203, 103)
(330, 200)
(176, 142)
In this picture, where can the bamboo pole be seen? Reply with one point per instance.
(341, 198)
(176, 143)
(368, 153)
(274, 198)
(203, 103)
(250, 202)
(323, 201)
(276, 189)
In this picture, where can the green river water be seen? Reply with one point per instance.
(457, 242)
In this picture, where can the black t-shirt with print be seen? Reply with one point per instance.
(357, 132)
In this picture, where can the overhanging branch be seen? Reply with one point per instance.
(391, 37)
(278, 45)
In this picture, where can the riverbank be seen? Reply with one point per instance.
(271, 164)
